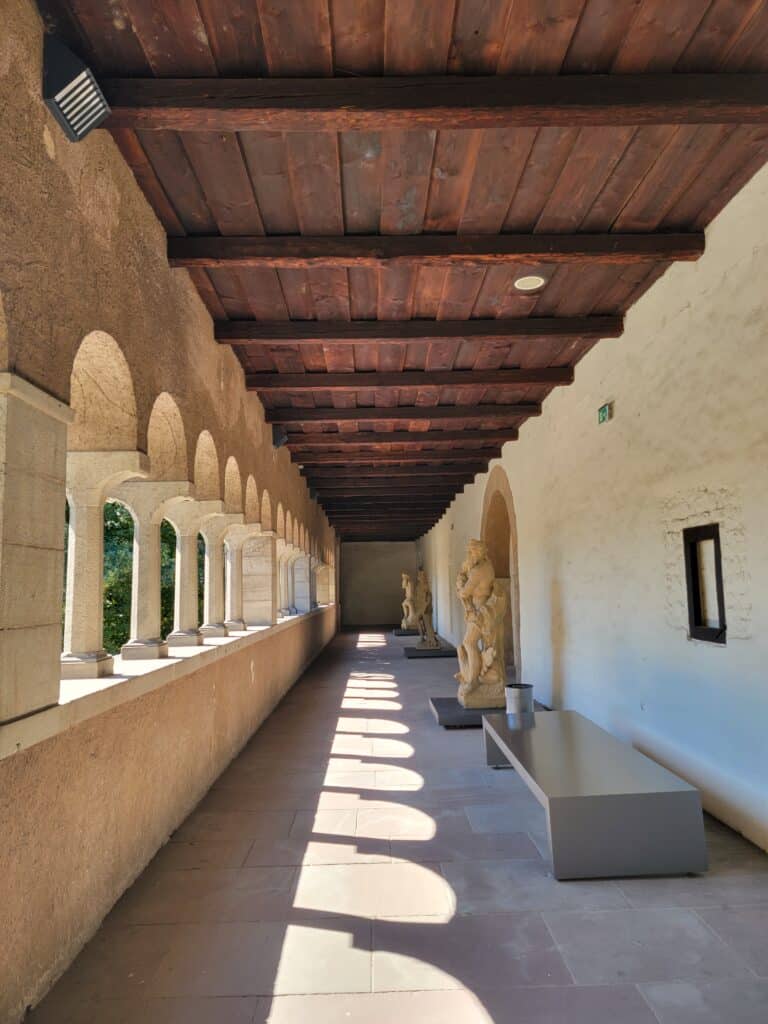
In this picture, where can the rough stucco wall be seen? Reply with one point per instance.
(371, 594)
(83, 813)
(83, 251)
(600, 510)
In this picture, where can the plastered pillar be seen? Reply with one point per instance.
(323, 584)
(33, 451)
(260, 579)
(187, 521)
(149, 502)
(302, 583)
(213, 530)
(90, 477)
(234, 540)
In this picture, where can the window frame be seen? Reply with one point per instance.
(692, 536)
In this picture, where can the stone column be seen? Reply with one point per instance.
(282, 577)
(90, 477)
(302, 584)
(187, 520)
(33, 452)
(149, 502)
(213, 530)
(315, 566)
(323, 584)
(234, 540)
(260, 580)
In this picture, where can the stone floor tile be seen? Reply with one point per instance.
(615, 946)
(497, 886)
(473, 847)
(518, 812)
(722, 1002)
(400, 821)
(224, 894)
(745, 929)
(230, 1010)
(204, 853)
(234, 825)
(298, 851)
(374, 890)
(266, 958)
(562, 1005)
(315, 824)
(714, 889)
(423, 953)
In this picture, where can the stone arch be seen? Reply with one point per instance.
(102, 397)
(167, 440)
(266, 511)
(206, 473)
(251, 501)
(499, 531)
(280, 521)
(233, 486)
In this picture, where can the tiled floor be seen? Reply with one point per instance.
(358, 864)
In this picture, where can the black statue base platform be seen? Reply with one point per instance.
(451, 715)
(405, 632)
(443, 651)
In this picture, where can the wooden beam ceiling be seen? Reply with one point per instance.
(377, 458)
(254, 333)
(488, 411)
(367, 438)
(464, 471)
(406, 379)
(301, 252)
(436, 102)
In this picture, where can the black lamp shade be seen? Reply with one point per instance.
(71, 92)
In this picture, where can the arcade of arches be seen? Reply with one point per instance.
(244, 802)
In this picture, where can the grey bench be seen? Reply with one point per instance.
(611, 811)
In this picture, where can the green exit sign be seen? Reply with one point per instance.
(605, 412)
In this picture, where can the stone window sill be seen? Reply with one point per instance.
(81, 699)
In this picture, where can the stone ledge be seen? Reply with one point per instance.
(82, 699)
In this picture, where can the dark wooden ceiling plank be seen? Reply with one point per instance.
(443, 250)
(234, 33)
(266, 159)
(338, 438)
(498, 169)
(297, 37)
(478, 36)
(538, 34)
(406, 379)
(436, 102)
(172, 35)
(102, 33)
(549, 155)
(719, 29)
(358, 36)
(174, 172)
(465, 472)
(405, 412)
(603, 26)
(219, 167)
(379, 458)
(136, 157)
(748, 52)
(278, 332)
(418, 36)
(646, 48)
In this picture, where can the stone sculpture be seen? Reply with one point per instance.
(482, 673)
(409, 608)
(423, 608)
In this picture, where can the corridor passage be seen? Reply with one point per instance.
(358, 864)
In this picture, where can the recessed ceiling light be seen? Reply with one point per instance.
(530, 283)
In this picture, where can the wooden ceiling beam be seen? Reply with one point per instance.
(282, 382)
(268, 333)
(454, 457)
(436, 102)
(373, 437)
(301, 252)
(486, 411)
(460, 471)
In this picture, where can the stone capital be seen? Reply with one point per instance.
(152, 500)
(238, 533)
(91, 475)
(215, 527)
(189, 517)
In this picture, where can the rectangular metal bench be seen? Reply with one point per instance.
(611, 811)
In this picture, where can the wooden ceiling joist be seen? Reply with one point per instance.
(462, 471)
(379, 458)
(488, 411)
(348, 332)
(366, 438)
(407, 379)
(300, 252)
(436, 102)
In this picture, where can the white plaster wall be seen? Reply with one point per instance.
(600, 510)
(371, 594)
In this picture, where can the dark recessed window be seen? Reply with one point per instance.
(704, 577)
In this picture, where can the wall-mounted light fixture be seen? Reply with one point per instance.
(71, 92)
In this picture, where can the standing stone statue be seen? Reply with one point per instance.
(423, 604)
(482, 673)
(409, 608)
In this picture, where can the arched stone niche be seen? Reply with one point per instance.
(233, 486)
(102, 397)
(207, 482)
(499, 531)
(266, 511)
(167, 440)
(252, 510)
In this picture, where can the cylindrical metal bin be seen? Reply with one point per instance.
(519, 698)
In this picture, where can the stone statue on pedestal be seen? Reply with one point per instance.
(482, 673)
(409, 608)
(423, 607)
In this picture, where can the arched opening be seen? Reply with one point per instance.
(167, 440)
(167, 576)
(117, 571)
(200, 578)
(499, 531)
